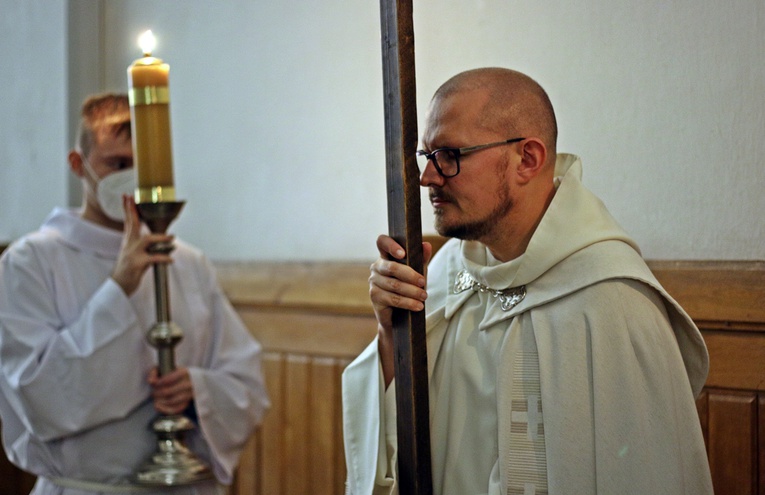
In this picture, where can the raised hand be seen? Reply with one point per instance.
(134, 258)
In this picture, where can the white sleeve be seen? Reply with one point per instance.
(63, 377)
(369, 426)
(387, 458)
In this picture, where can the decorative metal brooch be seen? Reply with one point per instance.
(508, 298)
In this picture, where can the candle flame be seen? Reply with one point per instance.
(147, 42)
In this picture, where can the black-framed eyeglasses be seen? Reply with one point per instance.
(447, 160)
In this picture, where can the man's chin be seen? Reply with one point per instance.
(449, 230)
(464, 231)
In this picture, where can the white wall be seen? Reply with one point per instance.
(33, 130)
(278, 115)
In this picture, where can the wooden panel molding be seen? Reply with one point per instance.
(312, 320)
(727, 294)
(732, 441)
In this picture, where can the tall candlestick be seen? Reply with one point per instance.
(148, 79)
(172, 462)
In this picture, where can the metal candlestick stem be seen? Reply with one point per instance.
(172, 463)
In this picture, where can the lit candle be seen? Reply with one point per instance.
(148, 79)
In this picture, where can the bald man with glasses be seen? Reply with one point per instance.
(557, 363)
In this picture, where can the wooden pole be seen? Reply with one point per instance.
(405, 226)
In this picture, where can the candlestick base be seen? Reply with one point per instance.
(172, 464)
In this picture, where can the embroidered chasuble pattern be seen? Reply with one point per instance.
(527, 462)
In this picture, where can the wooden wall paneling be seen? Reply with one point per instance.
(736, 359)
(337, 287)
(297, 447)
(247, 476)
(315, 325)
(761, 442)
(702, 406)
(732, 441)
(297, 432)
(716, 291)
(324, 407)
(299, 331)
(339, 455)
(273, 457)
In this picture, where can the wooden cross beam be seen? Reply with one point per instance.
(405, 226)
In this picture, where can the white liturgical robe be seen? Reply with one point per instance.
(74, 360)
(568, 370)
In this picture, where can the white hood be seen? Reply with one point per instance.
(557, 237)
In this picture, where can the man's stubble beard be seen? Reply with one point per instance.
(476, 229)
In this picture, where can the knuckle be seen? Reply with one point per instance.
(393, 268)
(396, 300)
(376, 295)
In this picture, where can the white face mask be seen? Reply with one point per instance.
(111, 188)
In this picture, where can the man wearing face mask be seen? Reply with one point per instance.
(78, 384)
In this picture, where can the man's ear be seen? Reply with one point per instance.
(75, 163)
(533, 159)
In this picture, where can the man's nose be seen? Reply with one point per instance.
(430, 176)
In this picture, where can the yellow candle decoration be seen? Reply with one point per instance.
(148, 79)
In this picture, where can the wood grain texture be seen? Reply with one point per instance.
(717, 293)
(761, 442)
(737, 359)
(732, 445)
